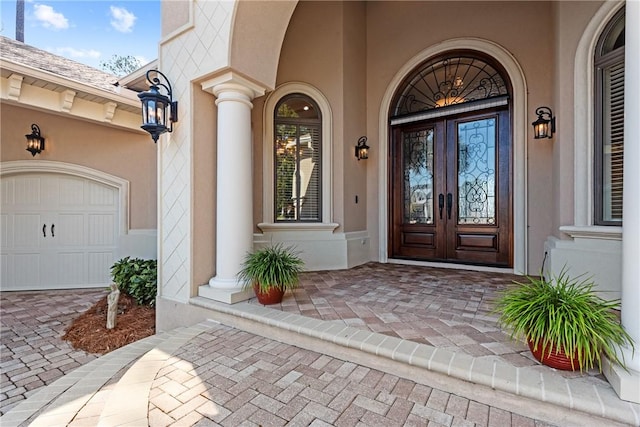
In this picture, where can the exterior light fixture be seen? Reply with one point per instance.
(362, 149)
(155, 105)
(35, 142)
(545, 126)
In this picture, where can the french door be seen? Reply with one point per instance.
(450, 190)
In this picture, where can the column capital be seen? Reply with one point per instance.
(230, 81)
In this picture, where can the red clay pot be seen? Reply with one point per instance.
(556, 359)
(273, 296)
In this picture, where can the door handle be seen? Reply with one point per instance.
(440, 203)
(44, 230)
(449, 204)
(52, 228)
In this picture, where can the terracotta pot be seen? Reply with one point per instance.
(556, 359)
(273, 296)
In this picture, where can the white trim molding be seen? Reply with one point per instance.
(592, 232)
(68, 97)
(591, 249)
(320, 246)
(583, 118)
(520, 128)
(267, 147)
(588, 254)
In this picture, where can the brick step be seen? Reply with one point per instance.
(539, 390)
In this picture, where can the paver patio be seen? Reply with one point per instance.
(214, 374)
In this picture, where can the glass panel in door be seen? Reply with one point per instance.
(477, 172)
(417, 166)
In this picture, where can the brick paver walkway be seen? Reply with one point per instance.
(31, 352)
(229, 377)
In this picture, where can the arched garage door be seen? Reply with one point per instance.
(58, 231)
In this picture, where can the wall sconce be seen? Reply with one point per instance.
(362, 149)
(154, 107)
(35, 142)
(545, 126)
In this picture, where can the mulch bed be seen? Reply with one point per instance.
(89, 331)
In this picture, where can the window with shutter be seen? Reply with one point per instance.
(609, 125)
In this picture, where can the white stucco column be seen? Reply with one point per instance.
(234, 201)
(627, 384)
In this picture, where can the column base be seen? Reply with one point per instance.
(227, 296)
(625, 383)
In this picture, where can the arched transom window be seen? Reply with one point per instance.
(297, 153)
(449, 80)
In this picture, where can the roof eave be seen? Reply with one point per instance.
(122, 95)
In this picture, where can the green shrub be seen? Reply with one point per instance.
(138, 278)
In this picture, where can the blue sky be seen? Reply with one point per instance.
(88, 31)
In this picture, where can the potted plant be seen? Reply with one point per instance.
(566, 325)
(270, 272)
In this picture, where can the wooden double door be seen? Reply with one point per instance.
(450, 189)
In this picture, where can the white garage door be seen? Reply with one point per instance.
(58, 231)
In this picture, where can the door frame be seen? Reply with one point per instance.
(519, 131)
(62, 168)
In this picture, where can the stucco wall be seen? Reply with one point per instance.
(316, 57)
(175, 14)
(358, 43)
(185, 229)
(355, 108)
(253, 52)
(204, 185)
(351, 51)
(128, 155)
(570, 21)
(331, 58)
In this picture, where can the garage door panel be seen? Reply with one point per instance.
(4, 231)
(7, 196)
(26, 192)
(70, 230)
(102, 229)
(26, 230)
(101, 195)
(71, 193)
(100, 268)
(71, 268)
(4, 272)
(83, 215)
(25, 271)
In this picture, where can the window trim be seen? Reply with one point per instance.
(268, 158)
(583, 119)
(601, 62)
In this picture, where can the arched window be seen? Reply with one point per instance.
(609, 123)
(456, 78)
(297, 153)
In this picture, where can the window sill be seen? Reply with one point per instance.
(599, 232)
(303, 226)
